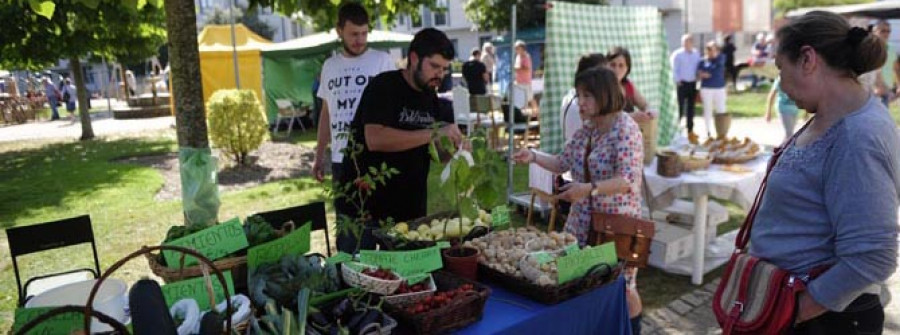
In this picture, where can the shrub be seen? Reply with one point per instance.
(237, 124)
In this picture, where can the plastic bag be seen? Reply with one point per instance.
(199, 186)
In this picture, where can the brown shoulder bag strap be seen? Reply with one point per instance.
(743, 237)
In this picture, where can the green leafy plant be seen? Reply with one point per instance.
(237, 124)
(479, 185)
(357, 192)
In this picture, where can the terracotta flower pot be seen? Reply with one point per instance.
(462, 261)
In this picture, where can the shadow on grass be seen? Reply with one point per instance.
(39, 179)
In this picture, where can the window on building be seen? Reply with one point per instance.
(416, 21)
(440, 15)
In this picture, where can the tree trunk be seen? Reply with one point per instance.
(87, 132)
(184, 56)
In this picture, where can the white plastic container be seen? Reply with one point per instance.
(110, 299)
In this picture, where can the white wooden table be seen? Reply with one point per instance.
(737, 187)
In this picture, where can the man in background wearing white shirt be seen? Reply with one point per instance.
(684, 67)
(344, 76)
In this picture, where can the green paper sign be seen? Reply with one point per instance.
(295, 243)
(572, 248)
(416, 278)
(214, 242)
(404, 262)
(339, 258)
(500, 216)
(196, 289)
(443, 244)
(577, 264)
(542, 257)
(61, 324)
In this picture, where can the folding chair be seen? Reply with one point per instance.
(531, 121)
(47, 236)
(314, 212)
(287, 110)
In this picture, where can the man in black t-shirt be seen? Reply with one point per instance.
(475, 73)
(395, 123)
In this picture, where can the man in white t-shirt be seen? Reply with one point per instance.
(344, 77)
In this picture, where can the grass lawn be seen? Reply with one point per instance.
(44, 181)
(752, 103)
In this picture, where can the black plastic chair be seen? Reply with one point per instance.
(47, 236)
(314, 212)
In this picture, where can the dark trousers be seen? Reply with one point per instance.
(344, 210)
(687, 99)
(864, 316)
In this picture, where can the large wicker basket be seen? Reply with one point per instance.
(410, 298)
(237, 264)
(552, 294)
(388, 242)
(462, 312)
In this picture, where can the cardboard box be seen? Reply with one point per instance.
(670, 243)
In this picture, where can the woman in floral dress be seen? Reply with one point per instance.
(614, 147)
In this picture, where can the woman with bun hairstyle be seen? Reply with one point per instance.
(830, 208)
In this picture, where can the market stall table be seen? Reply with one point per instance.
(601, 311)
(739, 187)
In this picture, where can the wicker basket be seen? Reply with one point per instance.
(237, 264)
(549, 295)
(170, 275)
(388, 242)
(368, 283)
(462, 312)
(410, 298)
(693, 163)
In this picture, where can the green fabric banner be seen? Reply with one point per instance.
(289, 78)
(577, 29)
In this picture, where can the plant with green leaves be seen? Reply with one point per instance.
(322, 14)
(237, 123)
(356, 193)
(476, 181)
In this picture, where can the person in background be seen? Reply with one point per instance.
(524, 72)
(570, 118)
(728, 49)
(344, 76)
(684, 68)
(619, 60)
(398, 117)
(611, 142)
(830, 208)
(786, 108)
(475, 74)
(132, 83)
(71, 93)
(489, 59)
(53, 97)
(885, 82)
(712, 85)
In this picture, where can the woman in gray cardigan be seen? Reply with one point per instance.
(832, 198)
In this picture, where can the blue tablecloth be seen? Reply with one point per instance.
(601, 311)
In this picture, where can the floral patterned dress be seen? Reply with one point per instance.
(616, 153)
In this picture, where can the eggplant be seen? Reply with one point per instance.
(339, 309)
(319, 320)
(369, 317)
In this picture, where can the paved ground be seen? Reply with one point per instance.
(102, 123)
(690, 314)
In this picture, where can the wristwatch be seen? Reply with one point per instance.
(594, 191)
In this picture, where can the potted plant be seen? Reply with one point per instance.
(474, 180)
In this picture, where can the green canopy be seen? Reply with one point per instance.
(291, 67)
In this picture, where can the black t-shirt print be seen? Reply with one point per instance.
(389, 100)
